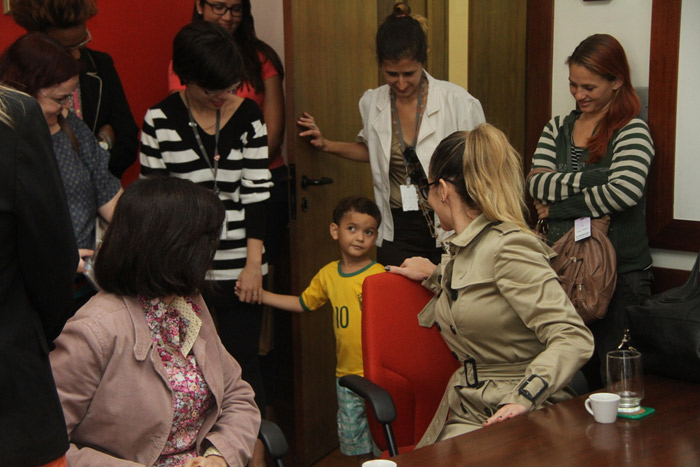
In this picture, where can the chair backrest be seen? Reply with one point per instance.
(411, 362)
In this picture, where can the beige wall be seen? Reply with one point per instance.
(458, 42)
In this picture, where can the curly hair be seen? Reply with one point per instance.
(40, 15)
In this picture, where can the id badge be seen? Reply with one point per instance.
(582, 228)
(409, 198)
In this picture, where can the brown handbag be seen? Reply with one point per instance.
(587, 269)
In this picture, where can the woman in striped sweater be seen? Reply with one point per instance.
(207, 134)
(600, 154)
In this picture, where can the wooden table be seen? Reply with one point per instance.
(566, 434)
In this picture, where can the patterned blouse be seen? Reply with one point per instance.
(174, 329)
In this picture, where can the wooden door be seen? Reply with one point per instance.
(330, 60)
(497, 44)
(330, 63)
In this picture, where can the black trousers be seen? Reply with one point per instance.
(411, 238)
(239, 325)
(632, 288)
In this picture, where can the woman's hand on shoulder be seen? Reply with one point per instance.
(312, 131)
(209, 461)
(416, 268)
(505, 412)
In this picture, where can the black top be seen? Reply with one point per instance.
(103, 102)
(38, 259)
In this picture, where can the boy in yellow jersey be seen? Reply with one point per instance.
(355, 223)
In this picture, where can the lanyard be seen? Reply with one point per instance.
(204, 155)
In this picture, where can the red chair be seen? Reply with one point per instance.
(403, 362)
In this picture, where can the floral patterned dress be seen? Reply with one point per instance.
(174, 329)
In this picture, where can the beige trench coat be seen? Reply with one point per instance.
(502, 312)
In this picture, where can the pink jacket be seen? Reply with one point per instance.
(115, 393)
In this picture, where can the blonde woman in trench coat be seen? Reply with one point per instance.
(497, 304)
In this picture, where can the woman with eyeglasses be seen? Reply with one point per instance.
(99, 98)
(40, 66)
(498, 304)
(208, 134)
(403, 122)
(261, 81)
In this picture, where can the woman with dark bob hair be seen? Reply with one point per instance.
(207, 134)
(99, 98)
(498, 304)
(403, 121)
(261, 74)
(149, 326)
(594, 162)
(40, 66)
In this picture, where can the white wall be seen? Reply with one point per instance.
(630, 22)
(269, 23)
(269, 27)
(686, 189)
(574, 20)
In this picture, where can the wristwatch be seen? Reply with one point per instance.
(104, 141)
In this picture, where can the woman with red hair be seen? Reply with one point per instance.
(600, 156)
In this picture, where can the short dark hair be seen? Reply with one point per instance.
(205, 54)
(161, 240)
(358, 204)
(401, 36)
(40, 15)
(36, 61)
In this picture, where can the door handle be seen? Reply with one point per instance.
(307, 182)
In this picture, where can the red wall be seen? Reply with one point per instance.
(138, 35)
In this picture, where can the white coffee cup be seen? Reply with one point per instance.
(379, 463)
(603, 406)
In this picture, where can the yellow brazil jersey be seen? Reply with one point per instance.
(345, 294)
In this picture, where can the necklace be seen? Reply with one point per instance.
(409, 152)
(204, 155)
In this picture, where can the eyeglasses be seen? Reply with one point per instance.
(83, 43)
(424, 186)
(220, 9)
(231, 90)
(58, 100)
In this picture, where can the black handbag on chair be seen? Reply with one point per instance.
(665, 328)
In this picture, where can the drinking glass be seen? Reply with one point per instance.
(625, 378)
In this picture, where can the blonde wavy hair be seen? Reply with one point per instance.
(487, 172)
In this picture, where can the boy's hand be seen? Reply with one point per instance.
(249, 285)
